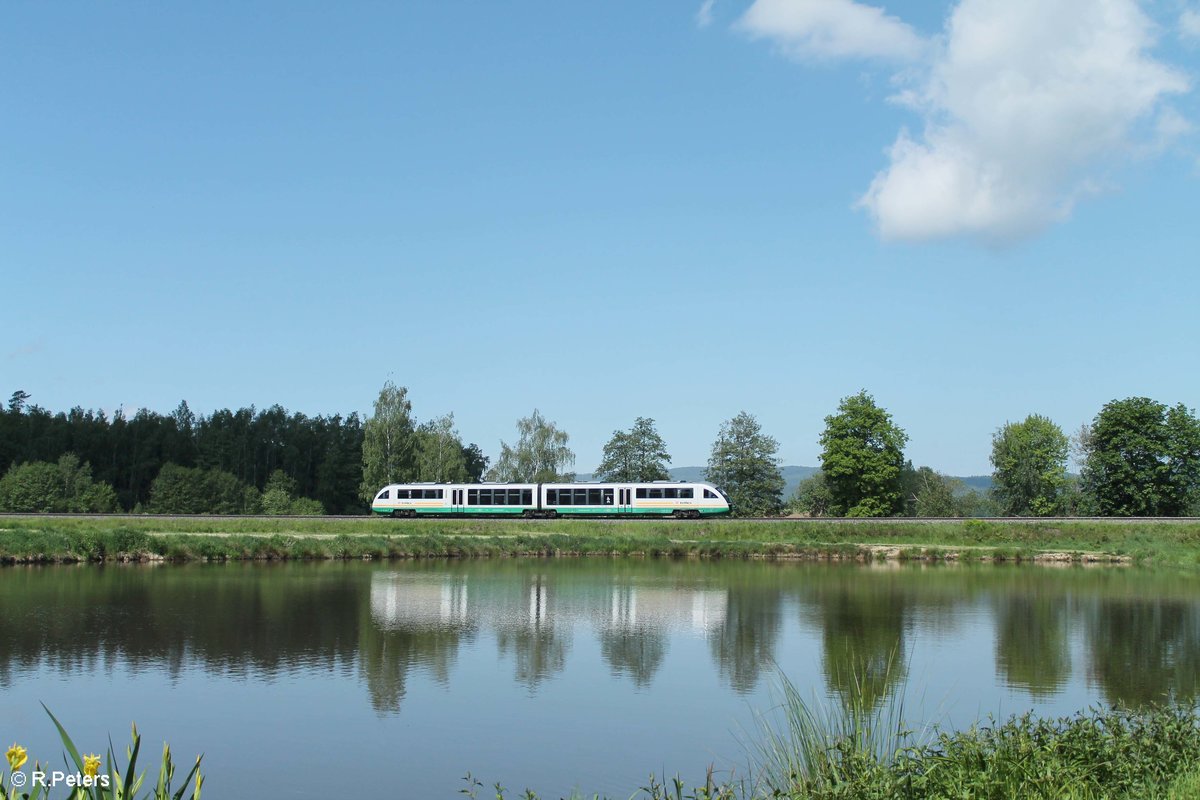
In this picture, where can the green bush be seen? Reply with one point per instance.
(39, 487)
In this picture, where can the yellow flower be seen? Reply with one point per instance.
(91, 765)
(16, 756)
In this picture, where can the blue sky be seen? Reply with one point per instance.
(976, 210)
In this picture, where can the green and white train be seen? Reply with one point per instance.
(656, 499)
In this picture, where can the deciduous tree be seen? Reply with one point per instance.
(638, 454)
(541, 454)
(279, 497)
(1029, 459)
(191, 490)
(68, 486)
(1143, 459)
(862, 458)
(744, 464)
(812, 497)
(476, 462)
(32, 488)
(389, 442)
(440, 453)
(928, 493)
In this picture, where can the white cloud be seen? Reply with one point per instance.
(1024, 105)
(704, 15)
(806, 29)
(1170, 127)
(1189, 24)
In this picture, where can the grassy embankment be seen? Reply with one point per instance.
(1149, 754)
(863, 749)
(32, 539)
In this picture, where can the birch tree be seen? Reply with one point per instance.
(389, 442)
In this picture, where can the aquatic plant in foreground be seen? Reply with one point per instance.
(89, 781)
(859, 748)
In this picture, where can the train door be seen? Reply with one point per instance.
(456, 501)
(625, 501)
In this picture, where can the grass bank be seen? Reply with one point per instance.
(33, 539)
(1109, 754)
(861, 747)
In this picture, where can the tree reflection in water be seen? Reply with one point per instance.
(533, 636)
(1032, 652)
(1140, 630)
(862, 633)
(745, 644)
(1144, 651)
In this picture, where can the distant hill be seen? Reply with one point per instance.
(978, 483)
(792, 475)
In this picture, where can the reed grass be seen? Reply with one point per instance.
(859, 750)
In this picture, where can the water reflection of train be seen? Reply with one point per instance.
(656, 499)
(402, 601)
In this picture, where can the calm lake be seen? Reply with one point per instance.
(303, 680)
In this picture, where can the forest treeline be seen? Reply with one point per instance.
(1139, 457)
(225, 453)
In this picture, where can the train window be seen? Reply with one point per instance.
(608, 497)
(527, 497)
(402, 494)
(564, 497)
(383, 495)
(485, 497)
(656, 494)
(473, 497)
(671, 493)
(593, 497)
(641, 494)
(551, 497)
(581, 497)
(436, 494)
(687, 494)
(709, 494)
(514, 497)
